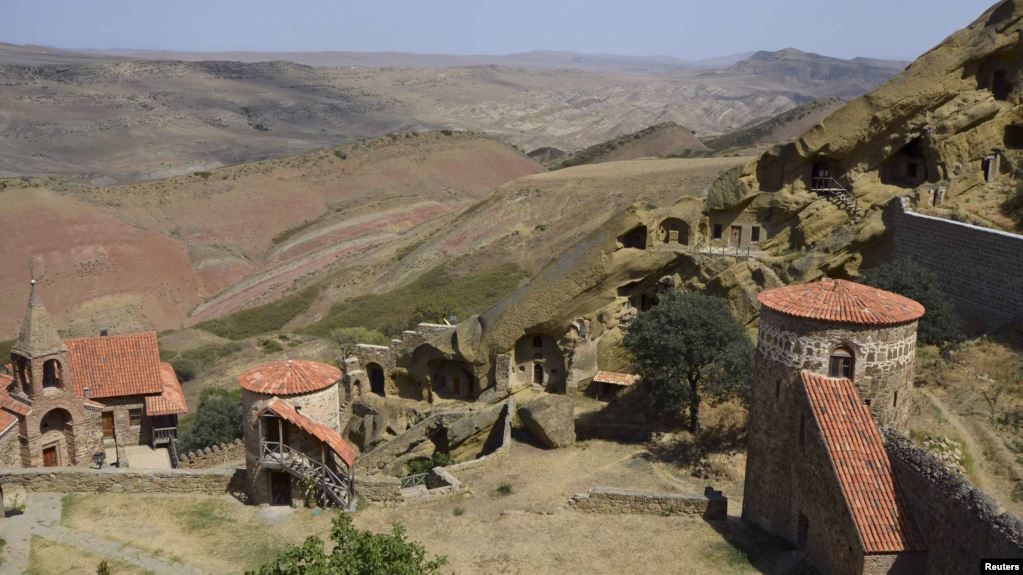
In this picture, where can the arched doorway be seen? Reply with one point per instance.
(376, 379)
(57, 432)
(634, 238)
(674, 231)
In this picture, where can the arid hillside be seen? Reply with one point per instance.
(113, 119)
(146, 255)
(667, 139)
(779, 129)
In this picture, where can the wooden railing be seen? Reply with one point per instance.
(334, 488)
(162, 435)
(413, 480)
(826, 184)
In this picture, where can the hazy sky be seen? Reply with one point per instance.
(688, 29)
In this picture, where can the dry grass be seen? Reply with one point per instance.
(50, 558)
(527, 531)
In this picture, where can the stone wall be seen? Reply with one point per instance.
(711, 505)
(114, 480)
(214, 456)
(960, 524)
(379, 488)
(980, 268)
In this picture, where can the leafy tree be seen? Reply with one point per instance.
(688, 346)
(103, 568)
(218, 419)
(355, 552)
(941, 325)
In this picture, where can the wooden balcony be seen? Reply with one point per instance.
(164, 435)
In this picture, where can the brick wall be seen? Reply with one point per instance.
(112, 480)
(960, 524)
(980, 268)
(711, 505)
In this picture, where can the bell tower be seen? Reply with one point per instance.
(39, 356)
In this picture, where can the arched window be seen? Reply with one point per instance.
(537, 342)
(841, 363)
(24, 370)
(52, 376)
(54, 420)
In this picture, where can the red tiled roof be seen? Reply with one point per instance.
(864, 471)
(318, 430)
(7, 421)
(614, 378)
(171, 400)
(116, 365)
(841, 301)
(289, 377)
(7, 402)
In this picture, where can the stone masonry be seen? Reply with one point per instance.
(711, 505)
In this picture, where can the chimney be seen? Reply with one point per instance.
(86, 392)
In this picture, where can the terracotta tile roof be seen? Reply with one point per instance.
(7, 422)
(8, 403)
(289, 377)
(864, 471)
(841, 301)
(115, 365)
(318, 430)
(171, 399)
(614, 378)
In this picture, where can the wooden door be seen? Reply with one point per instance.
(108, 425)
(736, 236)
(50, 456)
(456, 386)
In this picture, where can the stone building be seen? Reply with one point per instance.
(832, 357)
(294, 450)
(61, 401)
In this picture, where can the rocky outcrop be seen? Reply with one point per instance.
(550, 419)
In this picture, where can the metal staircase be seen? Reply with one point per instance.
(335, 488)
(833, 191)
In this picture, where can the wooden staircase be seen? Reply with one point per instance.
(334, 487)
(833, 191)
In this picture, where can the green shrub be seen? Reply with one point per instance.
(458, 511)
(504, 489)
(435, 291)
(341, 154)
(426, 464)
(261, 319)
(271, 346)
(355, 552)
(203, 175)
(217, 419)
(103, 568)
(184, 369)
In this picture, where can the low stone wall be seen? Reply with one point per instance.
(960, 524)
(379, 488)
(711, 505)
(214, 456)
(114, 480)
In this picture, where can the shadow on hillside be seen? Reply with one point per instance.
(763, 552)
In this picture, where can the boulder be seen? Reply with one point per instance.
(550, 419)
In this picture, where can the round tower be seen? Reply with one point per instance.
(834, 328)
(307, 388)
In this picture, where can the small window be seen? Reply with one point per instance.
(866, 402)
(841, 363)
(719, 230)
(895, 400)
(135, 417)
(537, 342)
(754, 234)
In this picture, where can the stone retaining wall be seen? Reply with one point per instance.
(960, 524)
(711, 505)
(379, 488)
(980, 268)
(113, 480)
(214, 456)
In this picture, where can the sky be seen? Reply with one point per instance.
(687, 29)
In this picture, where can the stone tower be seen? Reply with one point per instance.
(55, 429)
(836, 329)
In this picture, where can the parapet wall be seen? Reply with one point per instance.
(960, 523)
(113, 480)
(214, 456)
(980, 268)
(711, 505)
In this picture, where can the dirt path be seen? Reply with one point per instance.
(42, 518)
(970, 442)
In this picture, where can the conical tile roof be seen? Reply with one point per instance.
(38, 336)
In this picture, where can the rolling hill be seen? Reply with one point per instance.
(667, 139)
(781, 128)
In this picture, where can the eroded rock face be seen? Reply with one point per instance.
(550, 419)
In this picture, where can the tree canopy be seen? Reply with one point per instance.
(940, 325)
(218, 419)
(687, 347)
(355, 552)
